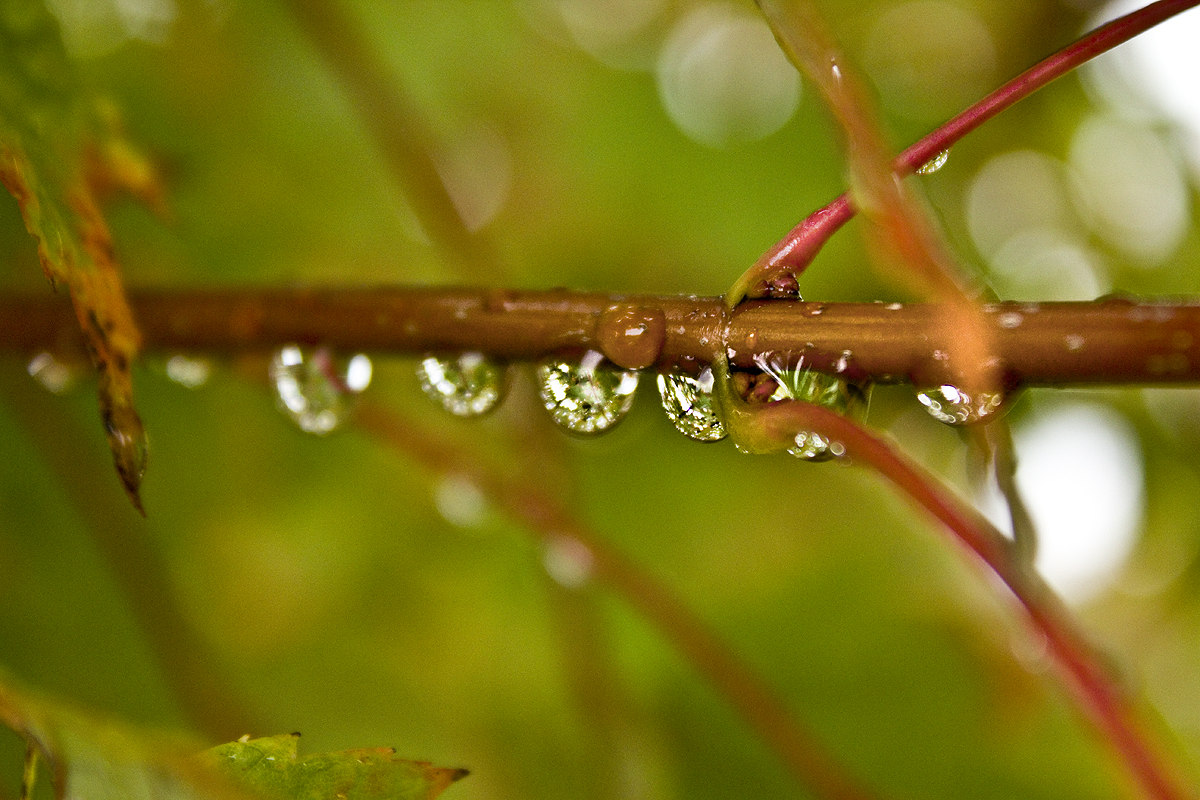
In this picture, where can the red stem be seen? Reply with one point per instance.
(798, 248)
(1109, 708)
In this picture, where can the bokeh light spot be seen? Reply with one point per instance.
(1079, 471)
(723, 79)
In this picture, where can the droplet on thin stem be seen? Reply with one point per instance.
(795, 382)
(934, 164)
(630, 336)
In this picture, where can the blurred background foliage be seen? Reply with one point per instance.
(333, 586)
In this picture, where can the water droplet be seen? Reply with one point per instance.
(843, 362)
(1010, 319)
(689, 404)
(810, 386)
(631, 336)
(953, 406)
(52, 374)
(589, 396)
(934, 164)
(460, 502)
(1074, 341)
(894, 306)
(189, 372)
(568, 561)
(811, 446)
(467, 385)
(314, 389)
(777, 286)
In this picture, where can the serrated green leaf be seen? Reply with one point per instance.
(271, 766)
(60, 151)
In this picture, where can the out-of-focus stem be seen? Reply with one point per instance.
(757, 704)
(1048, 344)
(1099, 695)
(188, 663)
(398, 127)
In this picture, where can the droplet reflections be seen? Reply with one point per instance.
(314, 389)
(467, 385)
(953, 406)
(690, 406)
(818, 388)
(588, 396)
(934, 164)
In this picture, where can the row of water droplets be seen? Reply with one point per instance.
(590, 394)
(586, 395)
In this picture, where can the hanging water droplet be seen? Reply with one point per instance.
(812, 446)
(467, 385)
(460, 501)
(358, 373)
(52, 374)
(190, 372)
(568, 561)
(810, 386)
(315, 391)
(953, 406)
(690, 405)
(589, 396)
(934, 164)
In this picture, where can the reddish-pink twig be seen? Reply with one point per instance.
(1109, 708)
(796, 250)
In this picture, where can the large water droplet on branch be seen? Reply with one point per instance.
(631, 336)
(315, 389)
(949, 404)
(467, 385)
(588, 396)
(689, 404)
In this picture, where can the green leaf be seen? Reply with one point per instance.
(61, 151)
(271, 767)
(91, 758)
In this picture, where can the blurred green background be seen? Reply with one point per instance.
(329, 585)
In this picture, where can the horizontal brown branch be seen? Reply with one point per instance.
(1110, 341)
